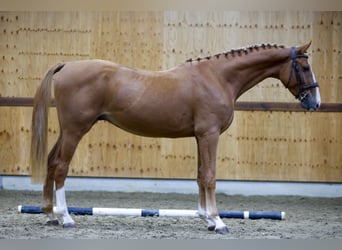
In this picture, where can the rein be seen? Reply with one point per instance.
(303, 89)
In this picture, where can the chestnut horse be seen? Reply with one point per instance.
(194, 99)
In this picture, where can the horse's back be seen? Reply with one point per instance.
(81, 70)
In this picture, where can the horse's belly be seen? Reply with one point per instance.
(154, 123)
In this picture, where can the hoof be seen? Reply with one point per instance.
(69, 225)
(211, 228)
(222, 230)
(52, 222)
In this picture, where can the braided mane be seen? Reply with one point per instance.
(239, 52)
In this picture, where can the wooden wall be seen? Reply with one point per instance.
(280, 146)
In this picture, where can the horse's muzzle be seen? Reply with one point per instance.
(308, 101)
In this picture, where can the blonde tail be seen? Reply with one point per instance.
(39, 127)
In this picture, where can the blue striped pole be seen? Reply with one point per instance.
(158, 212)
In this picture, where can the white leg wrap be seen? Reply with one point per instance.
(62, 206)
(206, 217)
(218, 222)
(213, 222)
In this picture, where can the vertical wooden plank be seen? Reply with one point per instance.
(15, 138)
(327, 56)
(9, 53)
(282, 146)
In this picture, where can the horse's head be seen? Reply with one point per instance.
(300, 80)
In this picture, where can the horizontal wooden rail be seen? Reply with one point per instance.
(241, 106)
(284, 106)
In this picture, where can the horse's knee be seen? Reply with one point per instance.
(207, 182)
(206, 177)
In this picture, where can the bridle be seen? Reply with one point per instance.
(303, 89)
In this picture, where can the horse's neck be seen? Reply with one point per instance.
(243, 72)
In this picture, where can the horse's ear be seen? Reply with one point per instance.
(303, 49)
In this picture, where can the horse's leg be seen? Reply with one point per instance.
(202, 207)
(69, 142)
(47, 205)
(202, 202)
(58, 166)
(206, 179)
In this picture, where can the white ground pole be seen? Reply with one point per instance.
(274, 215)
(245, 188)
